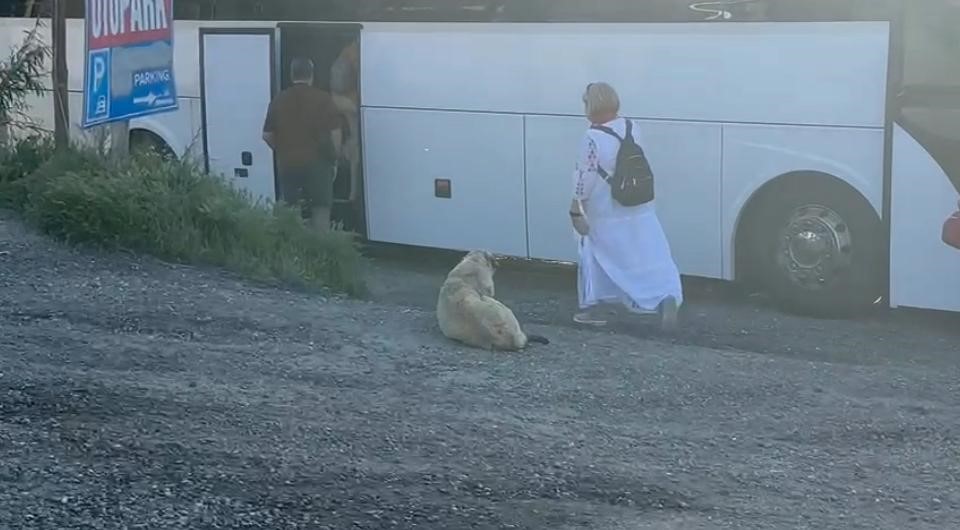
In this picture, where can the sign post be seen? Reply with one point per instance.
(129, 64)
(61, 108)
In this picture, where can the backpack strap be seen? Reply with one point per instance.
(608, 130)
(602, 172)
(604, 129)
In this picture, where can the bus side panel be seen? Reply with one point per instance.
(551, 153)
(39, 111)
(924, 272)
(804, 73)
(755, 154)
(686, 160)
(406, 152)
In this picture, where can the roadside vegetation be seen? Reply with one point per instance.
(155, 205)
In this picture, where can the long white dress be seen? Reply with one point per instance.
(626, 256)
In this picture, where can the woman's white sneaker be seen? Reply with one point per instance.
(588, 318)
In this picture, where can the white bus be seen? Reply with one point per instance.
(810, 145)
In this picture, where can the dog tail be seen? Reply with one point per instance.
(539, 339)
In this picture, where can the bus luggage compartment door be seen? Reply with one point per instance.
(445, 179)
(237, 81)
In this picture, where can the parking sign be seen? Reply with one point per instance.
(129, 63)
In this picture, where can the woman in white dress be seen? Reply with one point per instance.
(624, 253)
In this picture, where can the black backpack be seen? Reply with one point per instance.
(632, 181)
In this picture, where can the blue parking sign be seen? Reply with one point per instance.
(129, 64)
(97, 91)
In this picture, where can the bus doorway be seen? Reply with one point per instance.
(334, 50)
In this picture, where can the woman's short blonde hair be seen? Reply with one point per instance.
(600, 99)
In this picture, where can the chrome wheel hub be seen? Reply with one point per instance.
(814, 246)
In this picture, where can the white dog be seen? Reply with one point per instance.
(467, 311)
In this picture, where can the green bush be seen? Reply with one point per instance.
(23, 159)
(171, 209)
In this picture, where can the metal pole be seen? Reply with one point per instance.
(120, 139)
(61, 109)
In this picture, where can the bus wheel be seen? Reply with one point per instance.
(142, 141)
(819, 250)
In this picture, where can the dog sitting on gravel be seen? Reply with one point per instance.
(467, 311)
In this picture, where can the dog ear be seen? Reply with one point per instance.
(492, 259)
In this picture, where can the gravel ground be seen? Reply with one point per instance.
(137, 394)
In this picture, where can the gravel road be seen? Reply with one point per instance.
(137, 394)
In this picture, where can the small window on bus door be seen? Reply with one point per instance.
(930, 99)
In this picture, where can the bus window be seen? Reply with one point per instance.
(23, 8)
(930, 98)
(337, 10)
(692, 10)
(597, 11)
(932, 43)
(12, 8)
(38, 8)
(822, 10)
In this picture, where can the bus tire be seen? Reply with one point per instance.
(818, 247)
(143, 141)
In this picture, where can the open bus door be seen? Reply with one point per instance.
(925, 163)
(237, 81)
(334, 48)
(241, 70)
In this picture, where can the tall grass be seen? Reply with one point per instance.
(173, 210)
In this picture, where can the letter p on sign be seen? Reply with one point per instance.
(97, 89)
(99, 71)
